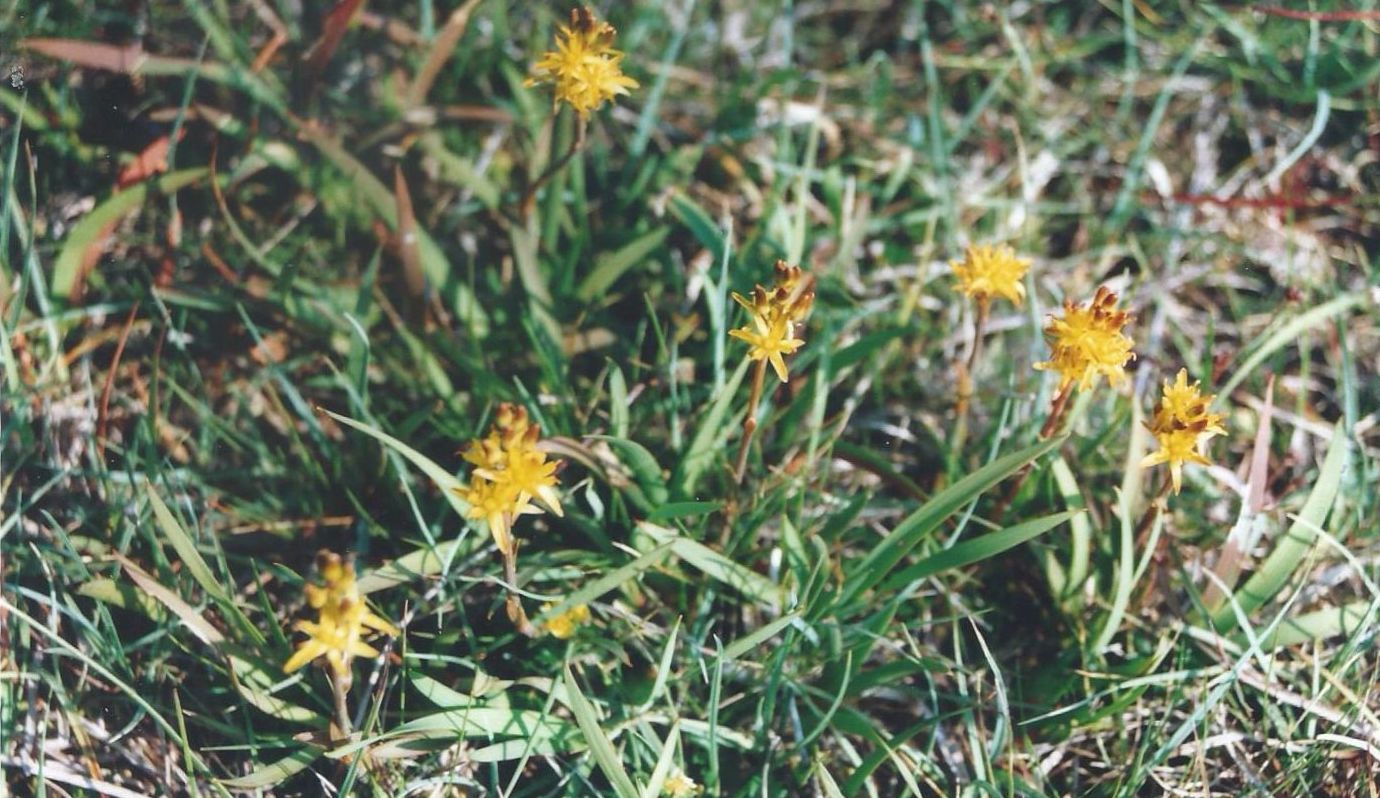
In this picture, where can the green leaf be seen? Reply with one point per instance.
(921, 523)
(610, 266)
(256, 685)
(477, 721)
(618, 401)
(277, 772)
(384, 205)
(609, 581)
(186, 549)
(716, 566)
(67, 272)
(185, 612)
(1344, 620)
(1285, 335)
(709, 437)
(864, 347)
(599, 743)
(1291, 550)
(667, 512)
(124, 596)
(664, 760)
(700, 224)
(446, 481)
(754, 639)
(425, 561)
(646, 471)
(977, 549)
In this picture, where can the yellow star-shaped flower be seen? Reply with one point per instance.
(510, 473)
(1182, 426)
(991, 271)
(1087, 343)
(773, 314)
(584, 68)
(342, 618)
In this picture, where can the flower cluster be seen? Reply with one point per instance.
(1087, 342)
(510, 472)
(990, 271)
(679, 785)
(563, 626)
(1182, 425)
(774, 313)
(342, 618)
(584, 68)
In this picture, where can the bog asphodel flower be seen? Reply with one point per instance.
(679, 785)
(342, 619)
(584, 68)
(510, 472)
(988, 271)
(773, 314)
(1087, 342)
(563, 626)
(1182, 426)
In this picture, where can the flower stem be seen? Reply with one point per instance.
(340, 691)
(529, 198)
(1056, 414)
(1052, 425)
(1152, 511)
(965, 375)
(759, 376)
(516, 613)
(1142, 535)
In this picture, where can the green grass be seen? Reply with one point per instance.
(209, 375)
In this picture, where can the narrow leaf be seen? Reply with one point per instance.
(977, 549)
(186, 549)
(921, 523)
(276, 772)
(1291, 550)
(599, 744)
(611, 266)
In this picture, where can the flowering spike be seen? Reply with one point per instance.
(511, 472)
(342, 618)
(773, 314)
(1087, 342)
(990, 271)
(584, 68)
(1182, 426)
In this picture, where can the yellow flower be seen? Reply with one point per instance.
(1182, 425)
(679, 785)
(774, 314)
(990, 271)
(584, 67)
(1088, 342)
(510, 472)
(563, 626)
(342, 617)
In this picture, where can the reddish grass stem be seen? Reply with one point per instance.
(759, 376)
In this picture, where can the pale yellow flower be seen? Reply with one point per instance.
(563, 626)
(1087, 342)
(1182, 426)
(510, 473)
(990, 271)
(342, 618)
(679, 785)
(584, 68)
(773, 314)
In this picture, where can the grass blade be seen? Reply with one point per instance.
(918, 526)
(599, 743)
(1291, 549)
